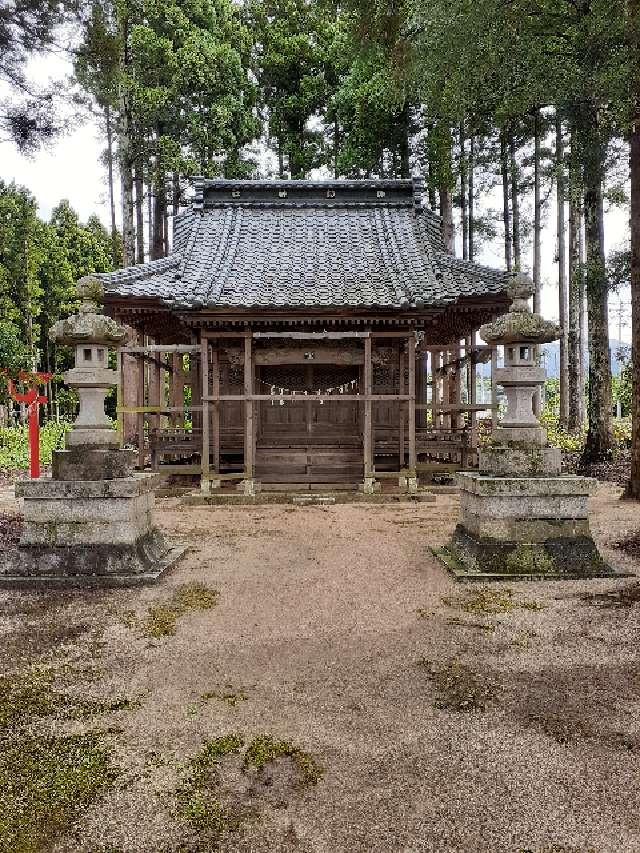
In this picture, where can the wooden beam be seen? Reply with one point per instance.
(323, 355)
(248, 407)
(160, 348)
(204, 370)
(312, 336)
(367, 438)
(302, 398)
(411, 356)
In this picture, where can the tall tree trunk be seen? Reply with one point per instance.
(150, 217)
(506, 211)
(125, 152)
(563, 296)
(515, 202)
(431, 167)
(175, 194)
(336, 147)
(446, 212)
(584, 322)
(139, 213)
(574, 390)
(598, 443)
(471, 203)
(159, 199)
(537, 232)
(463, 194)
(115, 250)
(405, 151)
(633, 487)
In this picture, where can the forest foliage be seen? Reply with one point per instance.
(532, 98)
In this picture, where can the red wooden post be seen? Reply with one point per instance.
(32, 399)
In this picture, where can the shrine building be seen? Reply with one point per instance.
(305, 334)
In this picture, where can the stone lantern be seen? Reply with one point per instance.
(92, 446)
(519, 516)
(519, 445)
(91, 522)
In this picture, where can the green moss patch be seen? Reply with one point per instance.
(44, 784)
(213, 802)
(459, 688)
(489, 600)
(229, 694)
(264, 749)
(32, 695)
(161, 620)
(529, 560)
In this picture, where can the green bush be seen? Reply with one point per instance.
(14, 445)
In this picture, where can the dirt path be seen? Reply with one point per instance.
(440, 725)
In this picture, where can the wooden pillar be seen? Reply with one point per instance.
(195, 381)
(176, 390)
(446, 389)
(215, 414)
(204, 375)
(140, 397)
(411, 356)
(155, 387)
(420, 382)
(472, 387)
(367, 438)
(435, 386)
(248, 408)
(401, 406)
(129, 395)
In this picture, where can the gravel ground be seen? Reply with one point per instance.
(331, 621)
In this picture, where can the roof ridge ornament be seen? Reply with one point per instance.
(418, 191)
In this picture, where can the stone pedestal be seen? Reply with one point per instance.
(92, 522)
(519, 517)
(88, 530)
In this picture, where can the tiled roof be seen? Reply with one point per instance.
(260, 244)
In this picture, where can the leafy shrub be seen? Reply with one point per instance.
(14, 445)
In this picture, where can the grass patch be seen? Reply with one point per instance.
(198, 806)
(44, 784)
(489, 600)
(209, 808)
(161, 620)
(232, 696)
(32, 694)
(264, 749)
(466, 623)
(459, 688)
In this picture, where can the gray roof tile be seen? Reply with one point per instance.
(326, 244)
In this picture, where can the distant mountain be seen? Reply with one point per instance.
(551, 356)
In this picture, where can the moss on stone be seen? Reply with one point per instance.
(529, 560)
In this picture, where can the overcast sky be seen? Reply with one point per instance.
(71, 169)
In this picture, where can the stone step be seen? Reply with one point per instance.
(307, 500)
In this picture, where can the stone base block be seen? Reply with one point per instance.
(66, 513)
(473, 558)
(92, 464)
(84, 529)
(525, 460)
(90, 565)
(524, 527)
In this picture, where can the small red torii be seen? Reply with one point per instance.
(32, 398)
